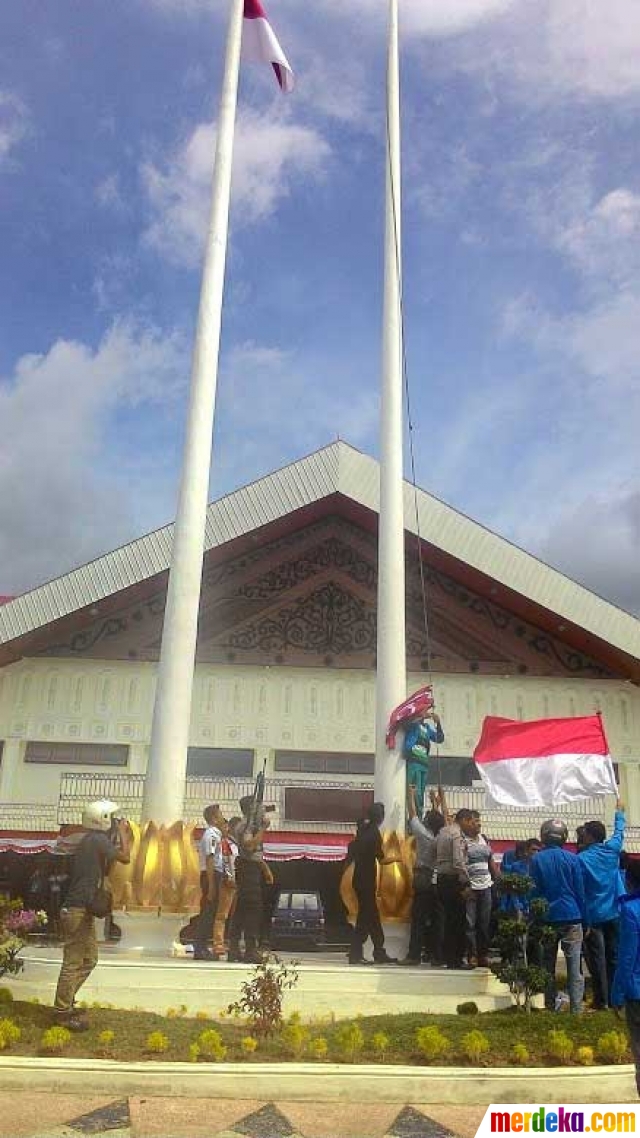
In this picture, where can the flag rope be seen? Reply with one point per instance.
(405, 375)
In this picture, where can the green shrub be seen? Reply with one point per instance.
(319, 1047)
(194, 1052)
(55, 1039)
(249, 1044)
(349, 1040)
(210, 1046)
(9, 1033)
(156, 1043)
(294, 1037)
(106, 1038)
(520, 1054)
(474, 1045)
(431, 1042)
(584, 1055)
(612, 1047)
(262, 996)
(468, 1008)
(6, 996)
(380, 1044)
(559, 1046)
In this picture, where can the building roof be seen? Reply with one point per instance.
(338, 477)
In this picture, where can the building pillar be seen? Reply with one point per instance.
(12, 755)
(630, 791)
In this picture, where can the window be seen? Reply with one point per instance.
(78, 754)
(319, 805)
(452, 770)
(304, 901)
(324, 762)
(225, 762)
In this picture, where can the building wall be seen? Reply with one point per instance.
(273, 707)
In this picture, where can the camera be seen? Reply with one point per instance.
(114, 833)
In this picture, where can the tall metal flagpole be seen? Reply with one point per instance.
(164, 785)
(391, 683)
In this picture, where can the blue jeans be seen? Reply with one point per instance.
(569, 937)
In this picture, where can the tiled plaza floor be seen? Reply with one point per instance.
(70, 1116)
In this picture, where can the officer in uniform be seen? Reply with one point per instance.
(250, 873)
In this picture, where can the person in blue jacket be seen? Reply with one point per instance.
(418, 736)
(600, 864)
(558, 879)
(625, 989)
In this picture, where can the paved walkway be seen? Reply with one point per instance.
(70, 1116)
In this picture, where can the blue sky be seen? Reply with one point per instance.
(522, 264)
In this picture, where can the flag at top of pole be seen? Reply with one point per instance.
(260, 45)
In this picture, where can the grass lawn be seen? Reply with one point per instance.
(502, 1029)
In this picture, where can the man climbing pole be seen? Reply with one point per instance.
(422, 727)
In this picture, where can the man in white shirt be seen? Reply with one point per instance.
(211, 873)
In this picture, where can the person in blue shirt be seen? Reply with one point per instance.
(418, 736)
(558, 879)
(600, 863)
(625, 989)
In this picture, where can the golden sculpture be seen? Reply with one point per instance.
(163, 870)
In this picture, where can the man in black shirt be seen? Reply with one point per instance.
(366, 852)
(93, 854)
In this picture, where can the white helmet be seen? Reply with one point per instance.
(98, 815)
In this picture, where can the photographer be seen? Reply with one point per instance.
(95, 848)
(251, 871)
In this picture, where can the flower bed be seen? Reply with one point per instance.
(493, 1039)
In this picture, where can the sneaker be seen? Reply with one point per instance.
(483, 962)
(359, 961)
(472, 961)
(384, 959)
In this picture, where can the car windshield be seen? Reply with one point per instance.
(304, 901)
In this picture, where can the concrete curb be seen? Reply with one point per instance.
(320, 1082)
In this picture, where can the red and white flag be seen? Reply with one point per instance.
(544, 762)
(420, 703)
(259, 43)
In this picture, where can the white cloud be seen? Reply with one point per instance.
(606, 531)
(270, 156)
(14, 122)
(109, 194)
(605, 242)
(555, 48)
(256, 427)
(66, 486)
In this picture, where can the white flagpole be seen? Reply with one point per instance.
(391, 680)
(165, 781)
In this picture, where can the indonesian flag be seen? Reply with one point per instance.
(420, 703)
(259, 44)
(545, 762)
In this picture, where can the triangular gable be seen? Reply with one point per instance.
(336, 473)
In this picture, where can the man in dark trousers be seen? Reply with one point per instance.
(426, 911)
(558, 879)
(250, 870)
(366, 853)
(603, 887)
(454, 886)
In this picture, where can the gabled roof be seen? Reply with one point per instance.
(340, 473)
